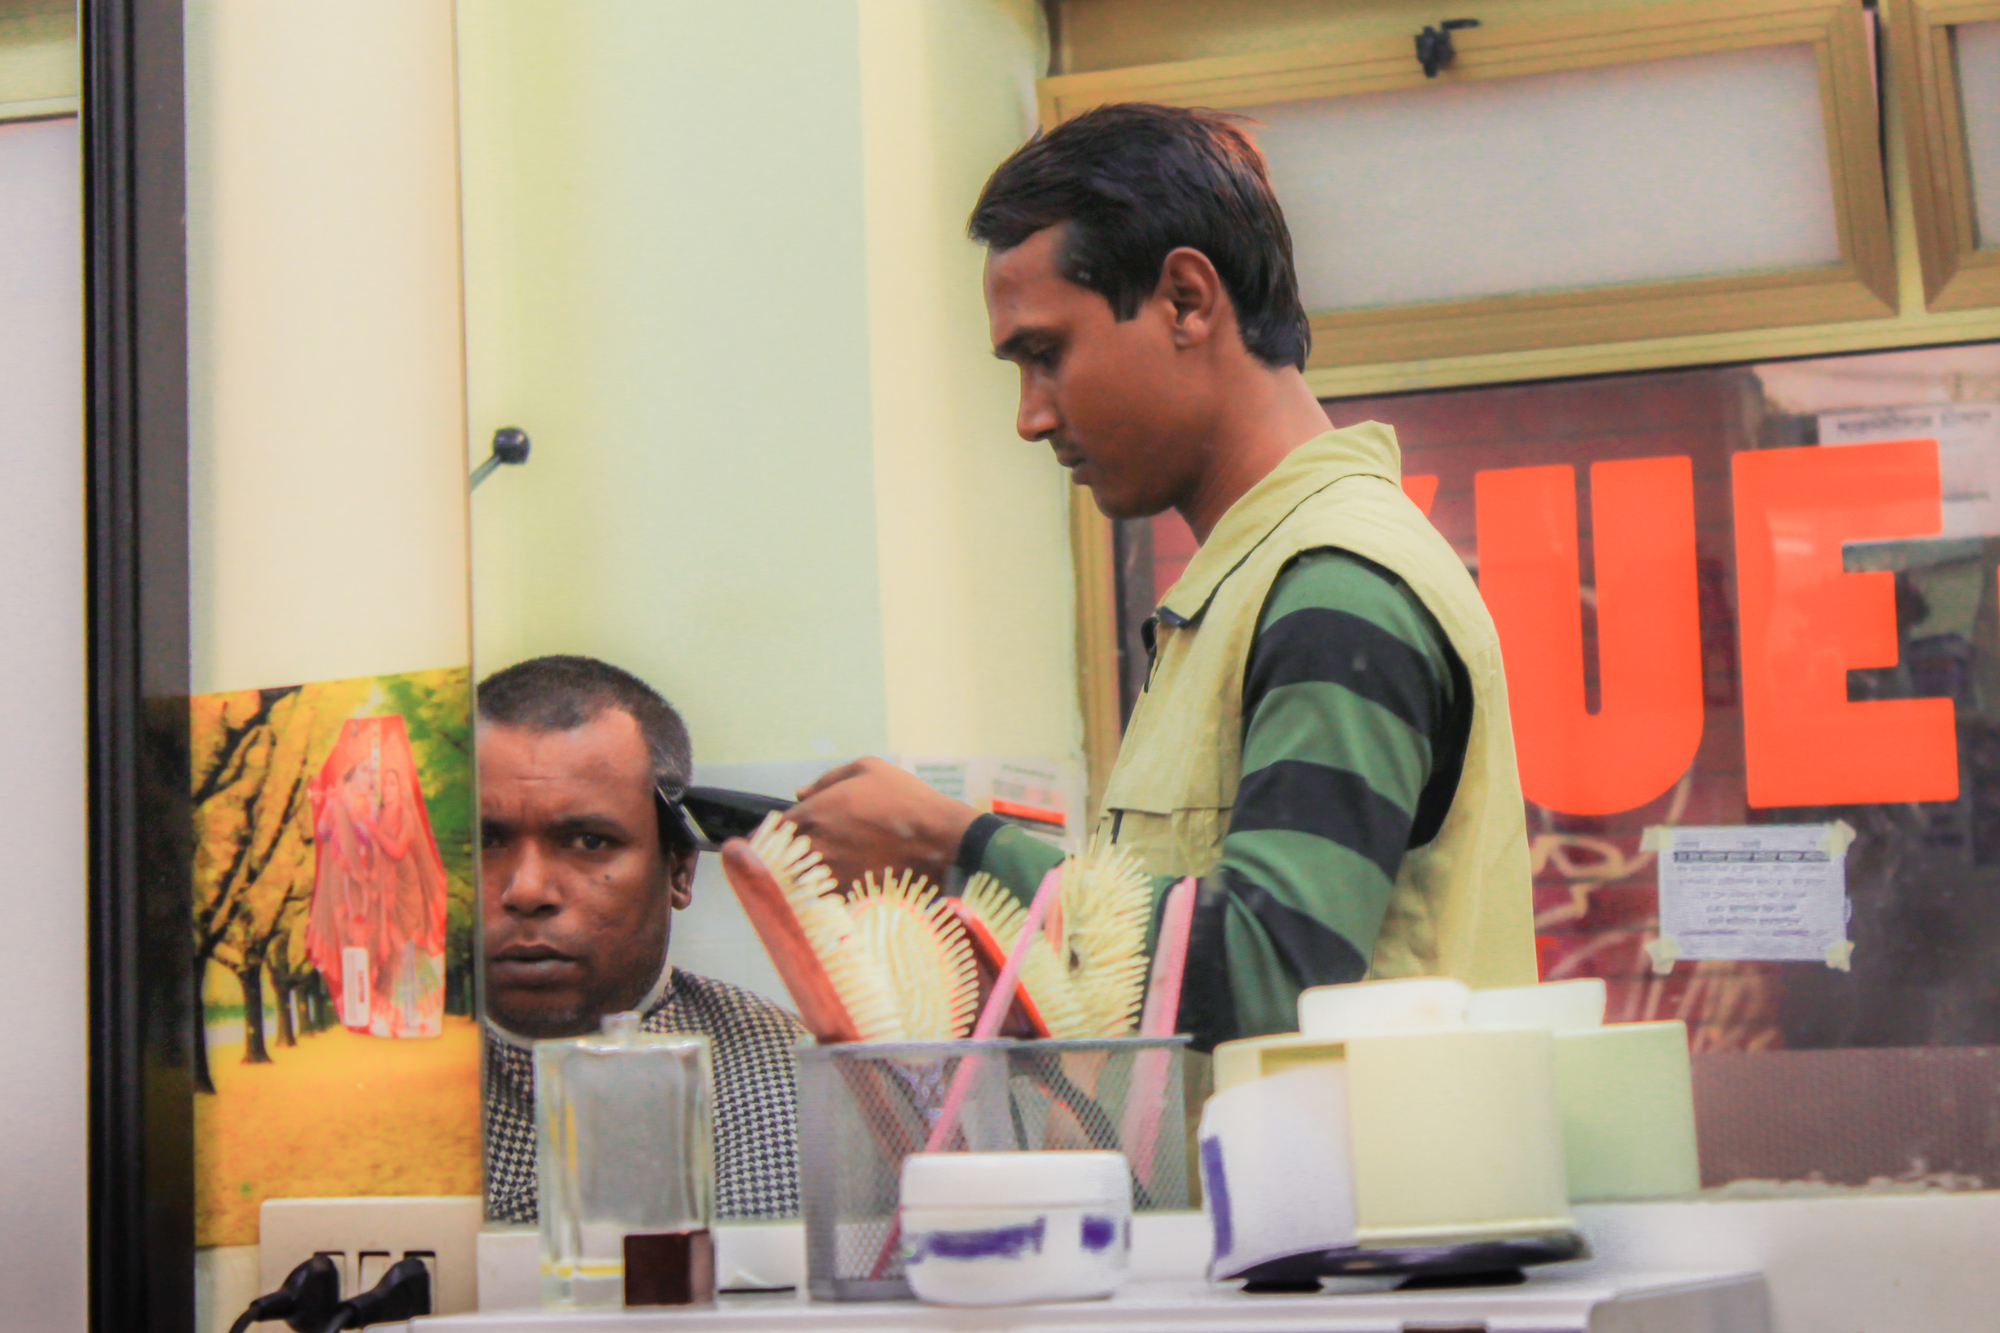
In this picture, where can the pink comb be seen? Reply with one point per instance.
(1141, 1130)
(992, 960)
(990, 1019)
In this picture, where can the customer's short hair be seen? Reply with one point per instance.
(562, 692)
(1133, 182)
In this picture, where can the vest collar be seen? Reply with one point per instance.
(1368, 449)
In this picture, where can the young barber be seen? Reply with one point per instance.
(1323, 737)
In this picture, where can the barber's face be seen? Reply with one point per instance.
(1111, 396)
(575, 889)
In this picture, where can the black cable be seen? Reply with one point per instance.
(309, 1294)
(403, 1293)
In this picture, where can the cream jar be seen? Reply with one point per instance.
(1013, 1228)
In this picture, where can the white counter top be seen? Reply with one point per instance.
(1844, 1263)
(1557, 1300)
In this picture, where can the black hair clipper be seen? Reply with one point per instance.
(706, 817)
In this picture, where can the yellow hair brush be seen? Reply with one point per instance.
(916, 942)
(793, 902)
(1107, 903)
(888, 963)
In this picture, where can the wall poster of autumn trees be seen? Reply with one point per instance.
(332, 945)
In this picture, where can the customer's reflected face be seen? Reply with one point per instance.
(575, 889)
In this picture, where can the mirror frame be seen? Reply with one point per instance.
(140, 828)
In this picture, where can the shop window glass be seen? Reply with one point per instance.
(1758, 594)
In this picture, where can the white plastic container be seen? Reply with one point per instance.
(1014, 1228)
(1383, 1008)
(1554, 1006)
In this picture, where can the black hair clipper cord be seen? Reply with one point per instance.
(706, 817)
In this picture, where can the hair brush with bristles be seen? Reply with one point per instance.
(793, 902)
(1087, 976)
(1107, 903)
(918, 945)
(1046, 994)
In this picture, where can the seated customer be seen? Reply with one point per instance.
(577, 893)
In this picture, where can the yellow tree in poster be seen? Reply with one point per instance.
(254, 752)
(301, 1106)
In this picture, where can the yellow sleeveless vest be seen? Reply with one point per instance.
(1462, 905)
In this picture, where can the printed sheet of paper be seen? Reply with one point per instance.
(1043, 798)
(1968, 436)
(1754, 892)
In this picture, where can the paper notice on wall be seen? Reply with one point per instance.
(1044, 797)
(1753, 893)
(952, 777)
(1968, 436)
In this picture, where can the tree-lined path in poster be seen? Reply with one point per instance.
(294, 1103)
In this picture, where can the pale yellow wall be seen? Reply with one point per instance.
(325, 370)
(976, 583)
(716, 267)
(666, 289)
(39, 69)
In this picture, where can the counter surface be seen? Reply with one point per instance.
(1552, 1301)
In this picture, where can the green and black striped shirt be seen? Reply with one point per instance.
(1356, 716)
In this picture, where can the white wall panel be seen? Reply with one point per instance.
(43, 985)
(1687, 167)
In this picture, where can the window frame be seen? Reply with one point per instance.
(1958, 273)
(1861, 286)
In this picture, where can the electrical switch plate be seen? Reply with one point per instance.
(365, 1236)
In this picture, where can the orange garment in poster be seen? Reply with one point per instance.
(377, 928)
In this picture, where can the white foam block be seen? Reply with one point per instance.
(1277, 1171)
(1576, 1005)
(1381, 1008)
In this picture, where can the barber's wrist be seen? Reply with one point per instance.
(972, 843)
(942, 834)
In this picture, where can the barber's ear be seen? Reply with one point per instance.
(1189, 282)
(680, 876)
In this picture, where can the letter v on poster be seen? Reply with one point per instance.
(1648, 725)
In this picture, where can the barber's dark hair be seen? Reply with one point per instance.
(562, 692)
(1134, 181)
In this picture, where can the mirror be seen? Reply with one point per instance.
(715, 270)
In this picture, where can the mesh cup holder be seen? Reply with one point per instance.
(863, 1107)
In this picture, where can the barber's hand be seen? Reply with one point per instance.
(871, 816)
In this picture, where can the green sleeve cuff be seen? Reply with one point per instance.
(1015, 858)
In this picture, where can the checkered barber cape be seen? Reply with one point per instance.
(756, 1122)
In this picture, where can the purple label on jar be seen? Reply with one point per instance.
(1099, 1233)
(1215, 1191)
(984, 1243)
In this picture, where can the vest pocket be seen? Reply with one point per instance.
(1180, 842)
(1177, 773)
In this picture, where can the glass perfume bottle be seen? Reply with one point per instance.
(625, 1157)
